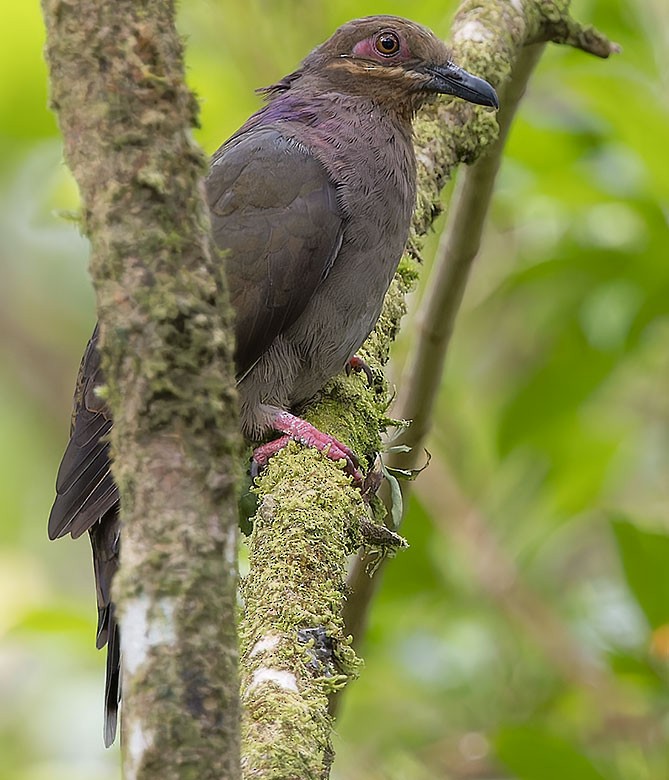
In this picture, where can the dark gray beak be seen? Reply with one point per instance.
(451, 80)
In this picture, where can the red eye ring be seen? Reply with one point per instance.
(387, 43)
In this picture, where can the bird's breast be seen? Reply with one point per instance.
(372, 163)
(370, 157)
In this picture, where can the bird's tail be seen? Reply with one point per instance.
(105, 541)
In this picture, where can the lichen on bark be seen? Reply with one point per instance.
(117, 84)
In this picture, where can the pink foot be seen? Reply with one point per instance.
(262, 454)
(296, 428)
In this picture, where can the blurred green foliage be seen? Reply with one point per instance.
(525, 633)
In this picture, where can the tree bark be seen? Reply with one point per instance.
(117, 84)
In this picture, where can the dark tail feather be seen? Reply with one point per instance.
(105, 540)
(87, 499)
(112, 680)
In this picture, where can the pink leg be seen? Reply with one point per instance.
(296, 428)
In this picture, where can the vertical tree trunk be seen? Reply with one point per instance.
(126, 115)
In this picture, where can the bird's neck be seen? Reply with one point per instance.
(329, 109)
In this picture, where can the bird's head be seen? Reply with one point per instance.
(391, 60)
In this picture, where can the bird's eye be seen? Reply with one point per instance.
(387, 43)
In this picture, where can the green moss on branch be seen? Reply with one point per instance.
(294, 652)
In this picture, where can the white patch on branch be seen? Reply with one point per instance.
(231, 552)
(138, 742)
(266, 644)
(280, 677)
(145, 624)
(474, 31)
(425, 160)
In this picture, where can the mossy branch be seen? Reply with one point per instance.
(499, 41)
(117, 84)
(459, 245)
(294, 652)
(488, 39)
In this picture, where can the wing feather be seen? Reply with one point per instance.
(275, 209)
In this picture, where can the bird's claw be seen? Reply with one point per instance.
(262, 454)
(300, 430)
(358, 365)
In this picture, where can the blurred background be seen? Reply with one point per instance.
(525, 632)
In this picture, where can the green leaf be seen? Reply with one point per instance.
(534, 754)
(396, 501)
(645, 559)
